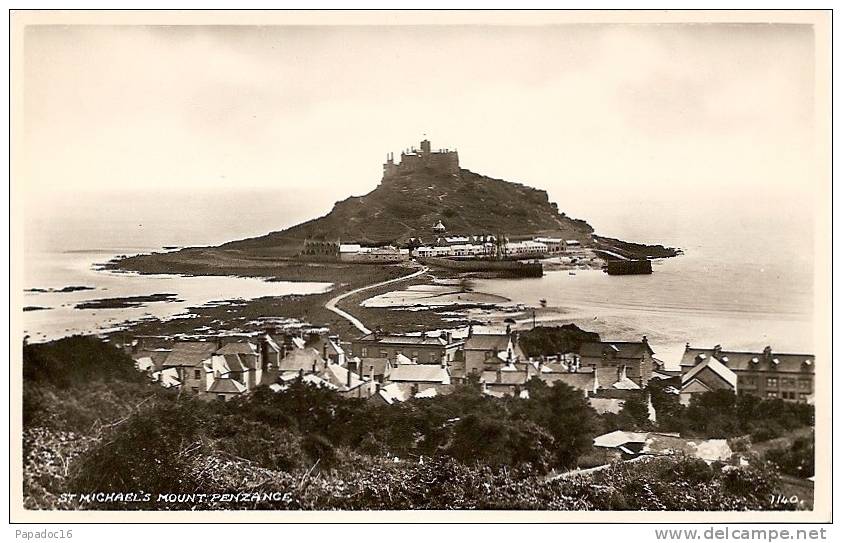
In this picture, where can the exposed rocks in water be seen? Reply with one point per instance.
(127, 301)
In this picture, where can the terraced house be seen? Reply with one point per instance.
(767, 374)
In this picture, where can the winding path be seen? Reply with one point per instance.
(331, 304)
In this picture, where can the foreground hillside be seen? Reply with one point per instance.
(107, 440)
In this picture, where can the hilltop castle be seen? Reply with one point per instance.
(440, 161)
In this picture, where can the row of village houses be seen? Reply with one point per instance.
(479, 246)
(393, 368)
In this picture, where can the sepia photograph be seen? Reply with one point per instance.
(392, 265)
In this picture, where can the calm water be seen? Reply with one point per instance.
(745, 280)
(65, 246)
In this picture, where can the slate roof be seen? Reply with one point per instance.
(226, 386)
(302, 359)
(238, 347)
(395, 393)
(625, 384)
(157, 356)
(580, 380)
(437, 341)
(338, 376)
(487, 342)
(506, 378)
(717, 367)
(421, 373)
(189, 353)
(619, 349)
(753, 361)
(381, 365)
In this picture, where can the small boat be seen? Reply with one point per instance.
(571, 273)
(543, 302)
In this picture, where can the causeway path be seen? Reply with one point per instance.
(331, 304)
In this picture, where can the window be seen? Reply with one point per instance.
(197, 374)
(803, 397)
(384, 354)
(194, 389)
(364, 352)
(749, 381)
(788, 395)
(772, 382)
(488, 354)
(220, 397)
(788, 383)
(434, 358)
(804, 384)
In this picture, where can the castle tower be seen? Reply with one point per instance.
(425, 146)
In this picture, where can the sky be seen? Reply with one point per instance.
(685, 114)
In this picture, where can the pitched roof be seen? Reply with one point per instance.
(235, 363)
(616, 349)
(506, 377)
(717, 367)
(753, 361)
(580, 380)
(619, 437)
(302, 359)
(238, 347)
(487, 342)
(157, 356)
(395, 393)
(189, 353)
(380, 365)
(423, 339)
(424, 373)
(338, 376)
(226, 386)
(624, 383)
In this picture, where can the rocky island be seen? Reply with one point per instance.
(425, 199)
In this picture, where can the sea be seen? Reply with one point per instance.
(67, 241)
(745, 279)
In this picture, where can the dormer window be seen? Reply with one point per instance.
(724, 359)
(776, 361)
(755, 360)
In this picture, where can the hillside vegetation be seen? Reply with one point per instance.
(308, 448)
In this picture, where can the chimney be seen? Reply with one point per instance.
(371, 382)
(301, 373)
(767, 353)
(508, 329)
(314, 366)
(263, 352)
(377, 388)
(499, 377)
(348, 378)
(448, 337)
(470, 330)
(324, 350)
(717, 351)
(218, 343)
